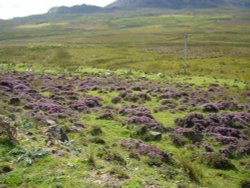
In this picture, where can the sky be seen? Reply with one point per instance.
(19, 8)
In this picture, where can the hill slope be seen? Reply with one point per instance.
(178, 4)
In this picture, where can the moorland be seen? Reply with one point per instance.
(102, 99)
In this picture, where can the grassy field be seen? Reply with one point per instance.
(150, 41)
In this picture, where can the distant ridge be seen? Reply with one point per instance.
(78, 9)
(178, 4)
(137, 4)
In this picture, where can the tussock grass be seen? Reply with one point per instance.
(193, 171)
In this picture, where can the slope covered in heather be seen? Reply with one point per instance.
(98, 128)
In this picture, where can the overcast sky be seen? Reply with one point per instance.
(16, 8)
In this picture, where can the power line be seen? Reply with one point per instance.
(185, 36)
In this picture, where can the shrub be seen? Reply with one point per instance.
(141, 148)
(154, 161)
(245, 183)
(177, 139)
(5, 169)
(116, 99)
(63, 57)
(97, 140)
(118, 173)
(91, 160)
(218, 161)
(209, 108)
(111, 156)
(95, 130)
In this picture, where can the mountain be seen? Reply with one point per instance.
(178, 4)
(239, 3)
(135, 4)
(78, 9)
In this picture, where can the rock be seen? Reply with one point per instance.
(59, 153)
(57, 133)
(51, 122)
(3, 185)
(153, 135)
(73, 128)
(143, 132)
(28, 133)
(181, 185)
(80, 125)
(8, 127)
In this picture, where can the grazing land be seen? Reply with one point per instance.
(102, 100)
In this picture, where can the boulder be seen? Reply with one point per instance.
(57, 133)
(153, 135)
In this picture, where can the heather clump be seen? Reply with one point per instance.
(141, 148)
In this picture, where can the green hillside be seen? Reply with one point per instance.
(150, 40)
